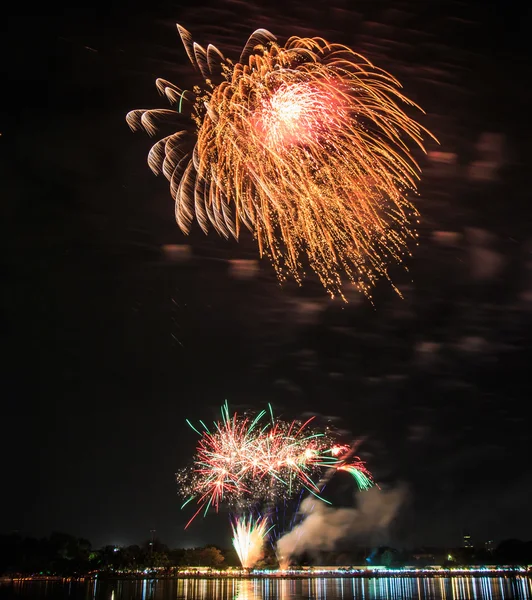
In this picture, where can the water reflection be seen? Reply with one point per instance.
(464, 588)
(383, 588)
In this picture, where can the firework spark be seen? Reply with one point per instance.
(305, 144)
(244, 460)
(248, 539)
(359, 473)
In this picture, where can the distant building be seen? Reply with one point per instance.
(489, 546)
(467, 543)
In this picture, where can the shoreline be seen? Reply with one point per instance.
(370, 574)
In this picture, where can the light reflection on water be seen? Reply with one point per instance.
(385, 588)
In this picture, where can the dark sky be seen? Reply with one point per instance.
(110, 346)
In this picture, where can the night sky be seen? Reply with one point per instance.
(110, 343)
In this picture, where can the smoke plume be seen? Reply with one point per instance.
(323, 526)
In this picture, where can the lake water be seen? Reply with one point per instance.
(457, 588)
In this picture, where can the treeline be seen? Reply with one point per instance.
(509, 552)
(63, 554)
(70, 556)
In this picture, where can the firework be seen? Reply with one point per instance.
(359, 473)
(305, 144)
(248, 539)
(243, 460)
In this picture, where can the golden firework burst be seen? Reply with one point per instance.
(306, 145)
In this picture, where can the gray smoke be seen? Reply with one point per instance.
(323, 526)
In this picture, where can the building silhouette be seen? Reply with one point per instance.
(467, 543)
